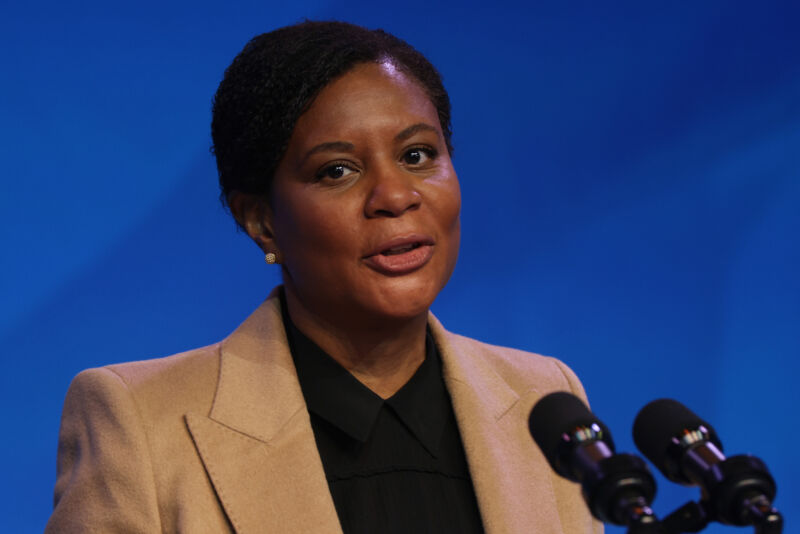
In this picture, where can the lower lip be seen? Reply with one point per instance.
(401, 263)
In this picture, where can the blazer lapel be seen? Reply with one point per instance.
(257, 444)
(512, 480)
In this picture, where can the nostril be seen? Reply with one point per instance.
(385, 213)
(392, 200)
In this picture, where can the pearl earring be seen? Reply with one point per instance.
(271, 258)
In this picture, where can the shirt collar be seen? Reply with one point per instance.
(423, 403)
(334, 394)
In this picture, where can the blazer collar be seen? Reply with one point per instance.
(257, 444)
(258, 392)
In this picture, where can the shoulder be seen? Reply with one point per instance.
(165, 386)
(188, 381)
(123, 436)
(186, 370)
(520, 369)
(514, 363)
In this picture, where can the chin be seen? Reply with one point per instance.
(405, 300)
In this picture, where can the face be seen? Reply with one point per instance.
(364, 210)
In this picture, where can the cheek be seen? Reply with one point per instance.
(445, 201)
(308, 229)
(455, 214)
(449, 203)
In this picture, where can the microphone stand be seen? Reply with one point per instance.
(695, 516)
(691, 517)
(637, 514)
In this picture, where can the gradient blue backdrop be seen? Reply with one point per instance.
(630, 181)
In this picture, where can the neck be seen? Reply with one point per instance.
(382, 355)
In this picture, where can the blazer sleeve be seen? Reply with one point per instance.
(104, 477)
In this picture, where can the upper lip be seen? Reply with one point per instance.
(400, 241)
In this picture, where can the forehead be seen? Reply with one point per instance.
(370, 96)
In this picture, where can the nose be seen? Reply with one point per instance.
(393, 191)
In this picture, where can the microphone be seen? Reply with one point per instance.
(738, 490)
(618, 488)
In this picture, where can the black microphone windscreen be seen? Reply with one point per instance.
(559, 413)
(659, 422)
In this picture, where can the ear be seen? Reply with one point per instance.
(254, 215)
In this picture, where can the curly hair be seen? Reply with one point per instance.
(276, 78)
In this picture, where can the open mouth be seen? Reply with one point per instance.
(400, 249)
(401, 256)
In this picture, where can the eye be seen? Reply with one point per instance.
(334, 171)
(418, 156)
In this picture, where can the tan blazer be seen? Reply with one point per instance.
(218, 439)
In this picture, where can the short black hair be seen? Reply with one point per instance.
(276, 78)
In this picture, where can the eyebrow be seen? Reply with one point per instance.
(343, 146)
(336, 146)
(413, 129)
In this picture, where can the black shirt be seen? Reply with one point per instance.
(394, 465)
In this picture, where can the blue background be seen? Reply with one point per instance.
(630, 179)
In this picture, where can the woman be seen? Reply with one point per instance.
(341, 403)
